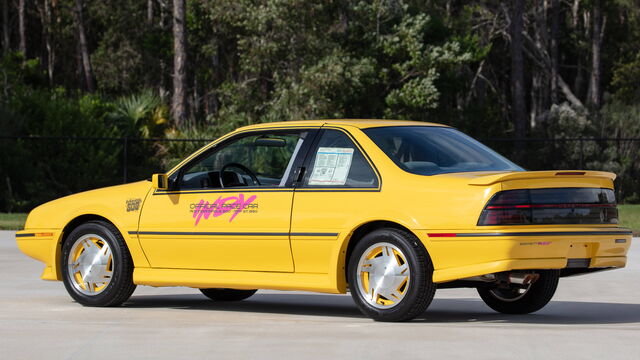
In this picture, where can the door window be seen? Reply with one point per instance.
(259, 160)
(337, 162)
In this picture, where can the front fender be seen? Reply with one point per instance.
(120, 205)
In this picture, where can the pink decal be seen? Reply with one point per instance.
(197, 211)
(221, 206)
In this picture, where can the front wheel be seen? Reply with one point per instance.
(97, 269)
(390, 275)
(522, 301)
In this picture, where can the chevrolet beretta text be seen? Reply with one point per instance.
(388, 210)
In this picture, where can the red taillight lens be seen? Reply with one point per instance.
(505, 217)
(551, 206)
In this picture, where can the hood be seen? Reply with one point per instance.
(108, 202)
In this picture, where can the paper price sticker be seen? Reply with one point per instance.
(332, 166)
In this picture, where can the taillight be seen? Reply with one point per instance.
(551, 206)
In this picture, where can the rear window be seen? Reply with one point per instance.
(431, 150)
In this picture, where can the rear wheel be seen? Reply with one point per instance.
(522, 300)
(390, 275)
(97, 269)
(227, 294)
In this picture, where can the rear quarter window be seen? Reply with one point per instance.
(336, 161)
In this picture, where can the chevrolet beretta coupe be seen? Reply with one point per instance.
(388, 210)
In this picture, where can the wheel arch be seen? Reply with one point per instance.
(72, 225)
(355, 236)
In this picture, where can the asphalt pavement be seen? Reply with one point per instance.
(591, 317)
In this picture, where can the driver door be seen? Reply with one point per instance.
(229, 208)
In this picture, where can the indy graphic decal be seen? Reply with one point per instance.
(233, 204)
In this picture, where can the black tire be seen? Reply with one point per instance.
(121, 285)
(227, 294)
(535, 298)
(420, 289)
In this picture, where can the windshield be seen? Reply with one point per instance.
(431, 150)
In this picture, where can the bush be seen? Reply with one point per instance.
(35, 171)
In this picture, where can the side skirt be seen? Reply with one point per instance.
(234, 279)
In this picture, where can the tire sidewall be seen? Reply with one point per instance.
(420, 269)
(535, 299)
(110, 291)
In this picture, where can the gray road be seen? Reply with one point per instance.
(591, 317)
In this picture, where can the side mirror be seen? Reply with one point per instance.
(160, 182)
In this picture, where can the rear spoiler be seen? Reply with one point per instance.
(526, 175)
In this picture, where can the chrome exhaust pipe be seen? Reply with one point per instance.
(523, 278)
(506, 278)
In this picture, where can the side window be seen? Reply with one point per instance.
(260, 160)
(337, 162)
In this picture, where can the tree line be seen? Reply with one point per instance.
(384, 58)
(174, 68)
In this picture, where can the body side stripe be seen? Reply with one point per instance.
(230, 233)
(26, 235)
(536, 233)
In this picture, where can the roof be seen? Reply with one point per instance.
(359, 123)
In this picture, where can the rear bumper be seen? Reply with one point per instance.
(459, 255)
(42, 245)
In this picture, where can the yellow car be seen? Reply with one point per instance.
(388, 210)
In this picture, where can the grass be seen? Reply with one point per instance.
(12, 221)
(629, 217)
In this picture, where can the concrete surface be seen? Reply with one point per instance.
(592, 317)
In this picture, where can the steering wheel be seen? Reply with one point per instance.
(246, 170)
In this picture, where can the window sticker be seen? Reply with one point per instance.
(332, 166)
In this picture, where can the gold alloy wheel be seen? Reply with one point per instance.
(90, 264)
(383, 275)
